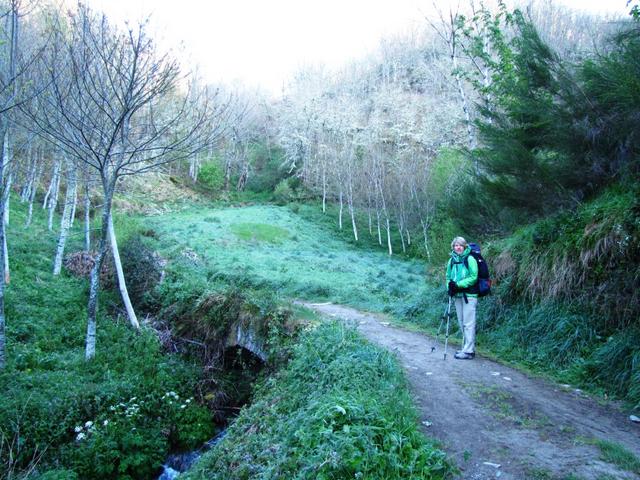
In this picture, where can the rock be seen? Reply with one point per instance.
(634, 419)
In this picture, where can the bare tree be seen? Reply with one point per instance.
(115, 105)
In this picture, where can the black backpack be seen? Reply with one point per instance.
(483, 286)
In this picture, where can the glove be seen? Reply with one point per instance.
(453, 288)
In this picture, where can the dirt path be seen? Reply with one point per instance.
(495, 421)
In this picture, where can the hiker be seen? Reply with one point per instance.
(462, 274)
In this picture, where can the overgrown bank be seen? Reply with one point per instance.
(64, 418)
(169, 387)
(340, 409)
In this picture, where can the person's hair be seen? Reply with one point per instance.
(459, 240)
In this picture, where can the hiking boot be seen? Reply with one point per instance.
(464, 356)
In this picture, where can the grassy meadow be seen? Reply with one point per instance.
(273, 247)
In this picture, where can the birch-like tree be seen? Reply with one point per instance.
(115, 104)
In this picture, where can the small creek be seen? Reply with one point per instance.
(243, 366)
(181, 462)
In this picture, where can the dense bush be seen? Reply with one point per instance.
(268, 167)
(211, 176)
(129, 440)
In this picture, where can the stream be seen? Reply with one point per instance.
(180, 462)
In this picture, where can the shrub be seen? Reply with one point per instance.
(268, 169)
(283, 193)
(211, 176)
(143, 269)
(131, 438)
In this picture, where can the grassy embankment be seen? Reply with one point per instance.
(63, 417)
(340, 409)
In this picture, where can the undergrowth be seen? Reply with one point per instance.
(104, 419)
(339, 410)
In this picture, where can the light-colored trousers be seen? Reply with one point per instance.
(466, 313)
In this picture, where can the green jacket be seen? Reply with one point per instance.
(463, 276)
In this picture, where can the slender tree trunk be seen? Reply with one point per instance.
(87, 217)
(465, 109)
(2, 260)
(324, 188)
(122, 285)
(227, 172)
(353, 222)
(74, 205)
(4, 194)
(32, 196)
(94, 284)
(386, 217)
(379, 227)
(54, 175)
(341, 208)
(6, 197)
(25, 192)
(401, 231)
(6, 158)
(65, 221)
(53, 200)
(425, 233)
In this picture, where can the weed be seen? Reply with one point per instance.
(539, 474)
(618, 455)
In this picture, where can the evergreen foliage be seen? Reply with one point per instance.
(267, 167)
(211, 176)
(552, 134)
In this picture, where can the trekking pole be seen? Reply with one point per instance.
(446, 336)
(444, 314)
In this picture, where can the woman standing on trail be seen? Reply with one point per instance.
(462, 273)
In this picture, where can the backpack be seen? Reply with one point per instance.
(483, 286)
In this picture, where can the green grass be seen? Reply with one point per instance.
(251, 245)
(260, 232)
(339, 410)
(616, 454)
(48, 389)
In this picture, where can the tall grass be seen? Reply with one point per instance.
(339, 410)
(567, 294)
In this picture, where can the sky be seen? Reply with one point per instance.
(262, 43)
